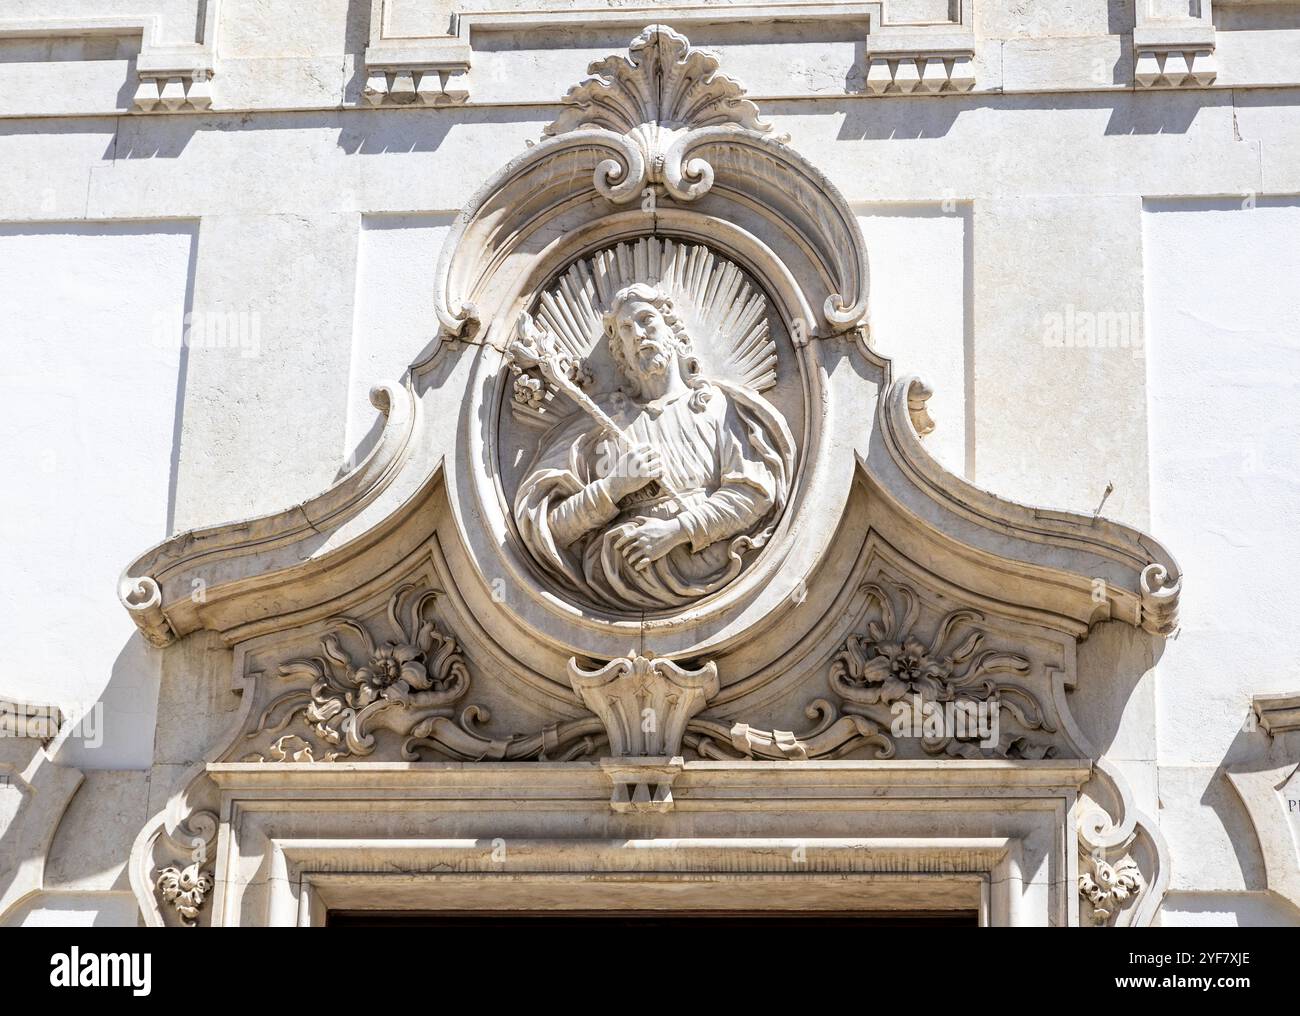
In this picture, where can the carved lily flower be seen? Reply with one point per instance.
(391, 664)
(419, 673)
(891, 662)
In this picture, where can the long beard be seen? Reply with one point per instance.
(654, 362)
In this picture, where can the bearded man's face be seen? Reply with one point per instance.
(648, 342)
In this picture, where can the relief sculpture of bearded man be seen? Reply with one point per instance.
(660, 515)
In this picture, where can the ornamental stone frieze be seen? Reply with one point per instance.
(650, 547)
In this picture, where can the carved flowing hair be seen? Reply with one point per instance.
(658, 298)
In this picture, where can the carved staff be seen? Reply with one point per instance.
(536, 347)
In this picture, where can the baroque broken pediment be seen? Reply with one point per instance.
(651, 499)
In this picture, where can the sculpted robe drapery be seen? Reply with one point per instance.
(728, 455)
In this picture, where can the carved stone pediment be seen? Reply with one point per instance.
(652, 509)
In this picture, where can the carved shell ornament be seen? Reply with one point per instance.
(663, 88)
(649, 355)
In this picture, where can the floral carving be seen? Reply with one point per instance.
(1109, 888)
(408, 684)
(894, 663)
(186, 889)
(389, 685)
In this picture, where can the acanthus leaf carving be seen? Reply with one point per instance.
(1109, 887)
(464, 742)
(184, 888)
(833, 736)
(946, 685)
(408, 685)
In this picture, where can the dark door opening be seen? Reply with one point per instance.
(471, 919)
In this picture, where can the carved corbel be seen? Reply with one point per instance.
(922, 59)
(644, 703)
(1123, 861)
(1108, 888)
(177, 78)
(172, 865)
(642, 784)
(189, 91)
(1172, 50)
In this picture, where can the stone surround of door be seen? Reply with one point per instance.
(297, 842)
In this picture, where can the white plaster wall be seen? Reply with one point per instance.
(1223, 362)
(920, 309)
(395, 320)
(89, 424)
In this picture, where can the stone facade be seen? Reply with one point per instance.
(665, 395)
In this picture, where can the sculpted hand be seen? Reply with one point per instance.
(634, 469)
(649, 540)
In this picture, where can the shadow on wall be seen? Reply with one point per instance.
(360, 131)
(921, 117)
(1116, 682)
(1252, 750)
(370, 131)
(116, 731)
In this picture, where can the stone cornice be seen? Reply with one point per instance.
(1278, 714)
(171, 77)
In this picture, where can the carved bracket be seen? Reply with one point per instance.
(645, 704)
(643, 785)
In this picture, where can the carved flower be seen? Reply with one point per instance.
(186, 889)
(891, 661)
(390, 663)
(529, 391)
(901, 667)
(419, 674)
